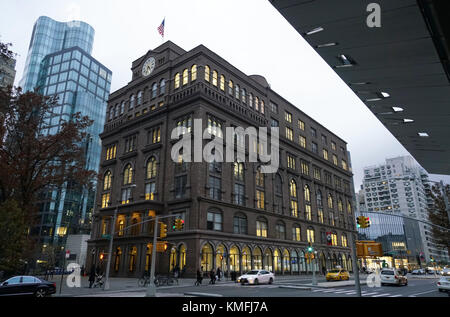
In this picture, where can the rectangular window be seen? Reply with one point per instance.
(325, 154)
(106, 198)
(313, 132)
(111, 152)
(215, 187)
(344, 165)
(328, 178)
(314, 147)
(308, 212)
(215, 127)
(126, 196)
(273, 107)
(335, 160)
(288, 117)
(239, 194)
(150, 189)
(320, 215)
(310, 235)
(240, 225)
(130, 144)
(301, 125)
(344, 241)
(302, 141)
(294, 208)
(154, 135)
(316, 173)
(274, 123)
(333, 146)
(186, 123)
(291, 162)
(324, 139)
(296, 234)
(259, 199)
(289, 134)
(180, 186)
(305, 168)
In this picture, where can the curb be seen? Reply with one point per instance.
(295, 287)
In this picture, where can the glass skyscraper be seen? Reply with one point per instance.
(59, 63)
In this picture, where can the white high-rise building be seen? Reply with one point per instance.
(398, 187)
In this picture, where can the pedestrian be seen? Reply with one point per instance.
(199, 278)
(219, 274)
(82, 270)
(182, 271)
(92, 276)
(212, 276)
(324, 270)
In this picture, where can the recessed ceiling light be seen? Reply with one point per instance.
(360, 83)
(397, 109)
(385, 94)
(373, 99)
(313, 31)
(327, 45)
(423, 134)
(408, 120)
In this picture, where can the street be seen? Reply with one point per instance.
(284, 286)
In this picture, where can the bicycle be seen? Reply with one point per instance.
(144, 281)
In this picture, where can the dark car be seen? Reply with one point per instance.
(27, 286)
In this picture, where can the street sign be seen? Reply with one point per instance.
(67, 254)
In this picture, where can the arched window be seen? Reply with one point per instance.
(107, 180)
(111, 113)
(207, 258)
(349, 207)
(262, 107)
(330, 201)
(268, 260)
(177, 80)
(162, 86)
(250, 100)
(236, 89)
(122, 107)
(133, 256)
(222, 82)
(246, 259)
(151, 167)
(214, 78)
(261, 227)
(132, 102)
(230, 87)
(256, 103)
(234, 259)
(207, 73)
(128, 175)
(139, 98)
(293, 198)
(185, 77)
(340, 205)
(116, 111)
(194, 72)
(277, 261)
(286, 261)
(257, 259)
(154, 90)
(278, 184)
(244, 95)
(239, 171)
(307, 194)
(121, 225)
(240, 224)
(117, 254)
(319, 206)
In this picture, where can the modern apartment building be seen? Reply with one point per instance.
(236, 217)
(59, 63)
(398, 187)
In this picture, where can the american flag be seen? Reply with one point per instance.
(161, 28)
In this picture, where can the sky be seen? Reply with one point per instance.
(252, 35)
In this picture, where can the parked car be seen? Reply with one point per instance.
(418, 272)
(27, 286)
(393, 276)
(256, 277)
(337, 275)
(444, 284)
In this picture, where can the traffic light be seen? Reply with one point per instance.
(363, 222)
(179, 224)
(310, 248)
(101, 256)
(366, 222)
(163, 230)
(431, 259)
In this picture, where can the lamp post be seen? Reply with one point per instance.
(108, 265)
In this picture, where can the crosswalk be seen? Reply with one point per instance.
(347, 292)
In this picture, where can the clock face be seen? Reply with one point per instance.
(148, 67)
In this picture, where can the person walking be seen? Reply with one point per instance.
(199, 277)
(212, 276)
(219, 274)
(92, 276)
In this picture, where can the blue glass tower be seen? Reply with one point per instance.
(59, 63)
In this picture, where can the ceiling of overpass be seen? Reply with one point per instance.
(402, 64)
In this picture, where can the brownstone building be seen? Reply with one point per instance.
(236, 217)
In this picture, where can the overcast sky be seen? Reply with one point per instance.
(252, 35)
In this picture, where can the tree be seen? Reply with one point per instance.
(13, 233)
(438, 216)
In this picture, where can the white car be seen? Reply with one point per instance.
(444, 284)
(256, 277)
(393, 276)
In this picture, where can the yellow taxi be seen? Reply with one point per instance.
(337, 275)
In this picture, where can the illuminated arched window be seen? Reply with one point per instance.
(139, 98)
(162, 87)
(262, 107)
(230, 87)
(132, 99)
(177, 80)
(154, 90)
(236, 89)
(349, 207)
(256, 103)
(319, 206)
(214, 78)
(133, 256)
(128, 175)
(250, 100)
(194, 72)
(293, 189)
(117, 254)
(244, 95)
(293, 198)
(185, 77)
(330, 201)
(207, 258)
(107, 180)
(246, 259)
(151, 167)
(207, 73)
(222, 82)
(340, 205)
